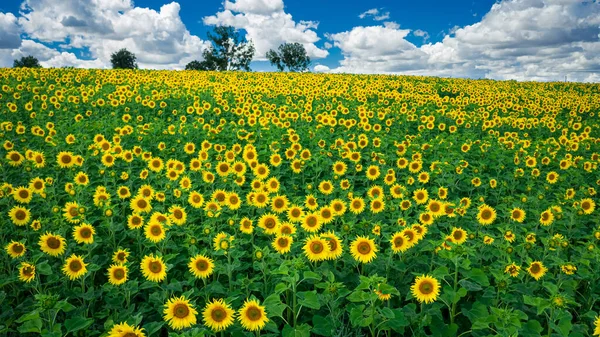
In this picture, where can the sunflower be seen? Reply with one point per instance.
(486, 215)
(335, 245)
(311, 222)
(282, 243)
(372, 172)
(326, 214)
(315, 248)
(459, 235)
(435, 207)
(295, 213)
(177, 215)
(26, 272)
(587, 205)
(363, 249)
(155, 232)
(222, 242)
(399, 242)
(82, 179)
(537, 270)
(547, 217)
(357, 205)
(20, 216)
(311, 202)
(71, 212)
(140, 204)
(269, 223)
(597, 326)
(14, 158)
(252, 316)
(179, 313)
(120, 256)
(52, 244)
(218, 315)
(117, 274)
(339, 168)
(420, 196)
(126, 330)
(135, 221)
(261, 199)
(201, 266)
(195, 199)
(22, 195)
(425, 289)
(552, 177)
(15, 249)
(517, 214)
(246, 226)
(65, 159)
(74, 267)
(153, 268)
(377, 206)
(84, 233)
(512, 270)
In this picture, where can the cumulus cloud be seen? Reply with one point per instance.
(159, 39)
(421, 33)
(9, 31)
(268, 25)
(516, 39)
(376, 14)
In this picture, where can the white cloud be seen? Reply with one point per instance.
(516, 39)
(268, 26)
(375, 14)
(422, 33)
(159, 39)
(321, 68)
(9, 31)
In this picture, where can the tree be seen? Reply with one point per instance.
(291, 55)
(123, 59)
(27, 62)
(229, 51)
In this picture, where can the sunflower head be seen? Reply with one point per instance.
(252, 316)
(179, 313)
(218, 315)
(425, 289)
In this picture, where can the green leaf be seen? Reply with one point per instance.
(77, 323)
(398, 322)
(274, 306)
(32, 325)
(309, 275)
(470, 286)
(152, 327)
(532, 328)
(281, 287)
(29, 316)
(356, 314)
(387, 313)
(64, 306)
(302, 330)
(309, 299)
(43, 268)
(479, 276)
(356, 296)
(321, 326)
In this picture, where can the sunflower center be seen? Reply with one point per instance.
(326, 214)
(486, 214)
(155, 267)
(545, 216)
(28, 271)
(316, 247)
(398, 241)
(178, 214)
(585, 205)
(364, 248)
(253, 313)
(535, 268)
(156, 230)
(119, 274)
(24, 194)
(278, 203)
(53, 243)
(20, 215)
(458, 235)
(75, 266)
(18, 248)
(15, 157)
(121, 256)
(435, 207)
(73, 211)
(85, 233)
(181, 310)
(142, 203)
(311, 221)
(516, 214)
(218, 315)
(332, 244)
(202, 265)
(270, 223)
(66, 159)
(282, 242)
(136, 220)
(426, 287)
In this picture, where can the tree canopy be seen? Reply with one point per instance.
(290, 55)
(229, 51)
(27, 62)
(123, 59)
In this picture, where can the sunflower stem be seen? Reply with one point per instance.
(453, 310)
(229, 271)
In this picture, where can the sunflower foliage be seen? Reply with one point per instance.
(164, 203)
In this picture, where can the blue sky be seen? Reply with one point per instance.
(505, 39)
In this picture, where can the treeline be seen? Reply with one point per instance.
(229, 51)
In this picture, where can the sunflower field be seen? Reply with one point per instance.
(184, 203)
